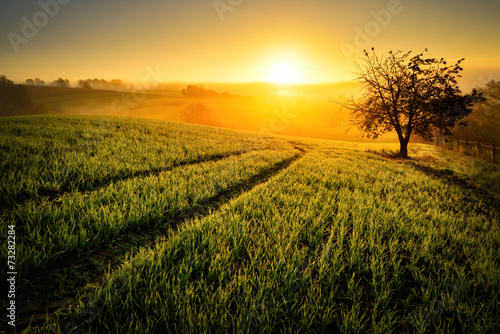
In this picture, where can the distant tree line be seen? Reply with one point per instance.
(198, 91)
(83, 83)
(35, 82)
(14, 98)
(104, 84)
(60, 82)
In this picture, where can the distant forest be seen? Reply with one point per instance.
(84, 83)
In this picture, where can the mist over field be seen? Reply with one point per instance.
(303, 110)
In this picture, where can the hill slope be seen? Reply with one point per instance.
(150, 226)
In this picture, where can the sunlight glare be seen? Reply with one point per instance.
(284, 73)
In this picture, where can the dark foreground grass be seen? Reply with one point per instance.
(340, 241)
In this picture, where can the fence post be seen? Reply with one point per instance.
(458, 145)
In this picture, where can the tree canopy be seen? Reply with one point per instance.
(84, 84)
(484, 122)
(409, 95)
(198, 113)
(198, 91)
(36, 82)
(60, 82)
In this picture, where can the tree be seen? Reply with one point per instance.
(117, 83)
(84, 84)
(60, 82)
(198, 92)
(408, 95)
(101, 84)
(13, 98)
(484, 122)
(198, 113)
(37, 82)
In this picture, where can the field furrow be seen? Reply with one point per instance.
(172, 197)
(47, 158)
(79, 223)
(125, 225)
(331, 244)
(43, 195)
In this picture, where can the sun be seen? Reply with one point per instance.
(284, 73)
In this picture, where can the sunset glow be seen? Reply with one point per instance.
(237, 42)
(284, 73)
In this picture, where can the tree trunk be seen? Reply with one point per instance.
(403, 149)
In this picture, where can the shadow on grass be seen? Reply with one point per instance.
(43, 297)
(51, 194)
(445, 174)
(386, 153)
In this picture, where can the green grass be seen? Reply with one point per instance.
(473, 169)
(290, 235)
(76, 225)
(45, 154)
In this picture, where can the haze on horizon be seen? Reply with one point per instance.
(238, 40)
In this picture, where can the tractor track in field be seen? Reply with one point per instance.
(50, 195)
(43, 297)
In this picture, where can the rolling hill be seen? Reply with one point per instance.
(137, 225)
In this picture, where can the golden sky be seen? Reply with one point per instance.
(196, 41)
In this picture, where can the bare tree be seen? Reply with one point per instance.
(408, 95)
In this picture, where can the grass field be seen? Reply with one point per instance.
(294, 110)
(130, 225)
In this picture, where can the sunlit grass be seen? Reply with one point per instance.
(77, 224)
(341, 240)
(74, 152)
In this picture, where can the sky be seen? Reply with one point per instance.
(197, 41)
